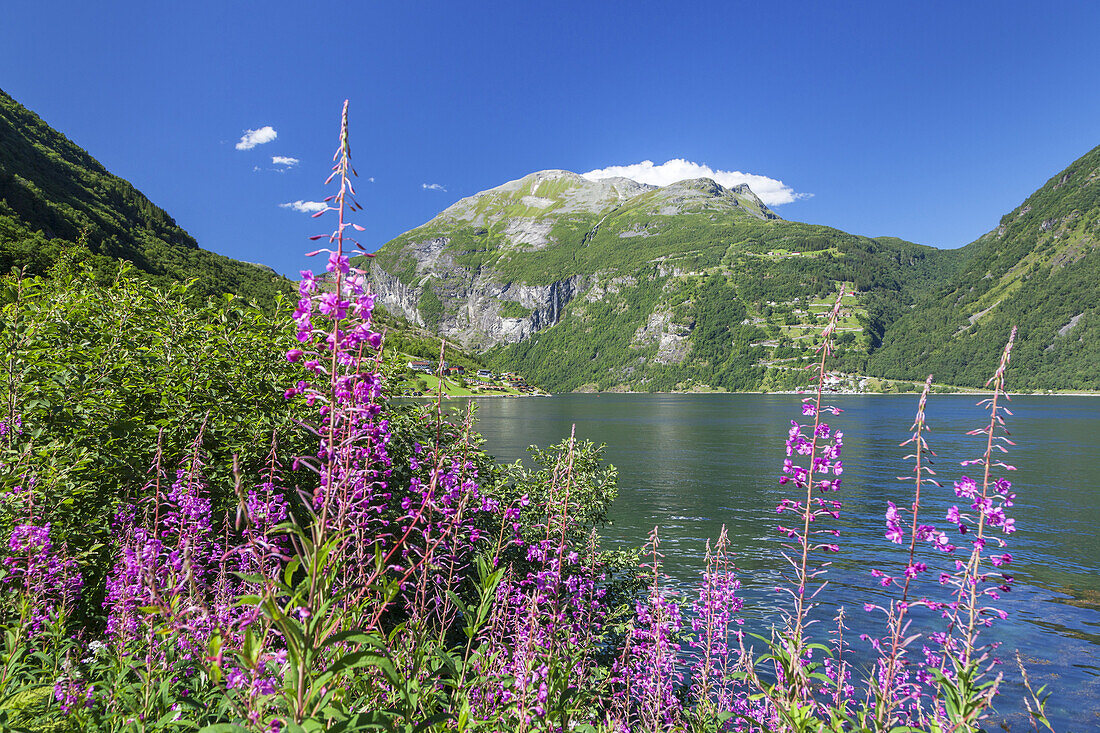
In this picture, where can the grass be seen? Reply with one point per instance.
(454, 388)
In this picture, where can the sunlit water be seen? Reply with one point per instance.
(692, 463)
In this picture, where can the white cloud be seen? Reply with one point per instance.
(305, 207)
(771, 191)
(371, 179)
(284, 160)
(433, 187)
(252, 138)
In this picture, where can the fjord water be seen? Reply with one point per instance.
(692, 463)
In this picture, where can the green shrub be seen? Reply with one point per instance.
(104, 376)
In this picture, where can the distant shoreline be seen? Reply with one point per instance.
(983, 393)
(430, 398)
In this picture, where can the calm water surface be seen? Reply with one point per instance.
(692, 463)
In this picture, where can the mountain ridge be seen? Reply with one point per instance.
(1038, 270)
(55, 195)
(499, 268)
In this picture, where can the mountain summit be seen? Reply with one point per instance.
(542, 193)
(646, 282)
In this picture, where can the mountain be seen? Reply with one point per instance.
(613, 284)
(53, 194)
(1038, 270)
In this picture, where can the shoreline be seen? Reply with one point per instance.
(430, 398)
(974, 393)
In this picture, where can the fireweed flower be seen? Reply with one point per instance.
(72, 691)
(308, 284)
(41, 572)
(544, 622)
(10, 427)
(713, 611)
(649, 672)
(978, 522)
(898, 685)
(169, 566)
(813, 467)
(420, 535)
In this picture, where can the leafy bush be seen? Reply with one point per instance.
(106, 376)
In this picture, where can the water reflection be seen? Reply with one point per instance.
(692, 463)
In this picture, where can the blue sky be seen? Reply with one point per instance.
(926, 121)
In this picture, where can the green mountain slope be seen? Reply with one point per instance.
(59, 203)
(1038, 270)
(612, 284)
(53, 194)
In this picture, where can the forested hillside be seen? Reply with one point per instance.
(1038, 270)
(612, 284)
(54, 194)
(60, 209)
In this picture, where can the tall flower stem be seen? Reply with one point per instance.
(804, 574)
(997, 381)
(887, 698)
(807, 510)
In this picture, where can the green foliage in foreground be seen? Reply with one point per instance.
(104, 374)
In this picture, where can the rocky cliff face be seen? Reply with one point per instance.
(480, 313)
(396, 295)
